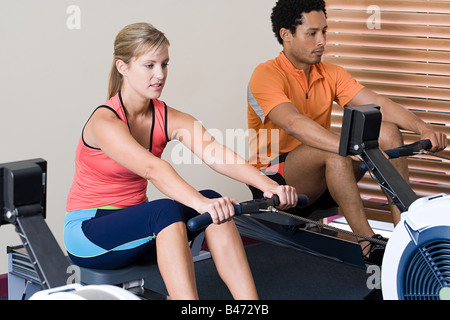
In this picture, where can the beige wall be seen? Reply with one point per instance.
(55, 62)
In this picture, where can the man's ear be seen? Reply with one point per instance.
(122, 67)
(285, 34)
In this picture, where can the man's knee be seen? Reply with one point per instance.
(390, 136)
(337, 160)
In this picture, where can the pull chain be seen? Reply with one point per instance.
(322, 225)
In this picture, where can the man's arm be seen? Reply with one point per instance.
(403, 118)
(304, 129)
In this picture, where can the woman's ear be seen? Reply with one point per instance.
(122, 67)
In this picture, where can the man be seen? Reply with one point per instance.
(290, 98)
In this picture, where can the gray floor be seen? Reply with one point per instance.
(283, 274)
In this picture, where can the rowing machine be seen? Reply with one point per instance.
(416, 263)
(23, 204)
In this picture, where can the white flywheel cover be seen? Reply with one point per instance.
(416, 263)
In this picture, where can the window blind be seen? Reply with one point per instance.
(400, 49)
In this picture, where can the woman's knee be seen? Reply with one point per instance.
(225, 231)
(163, 213)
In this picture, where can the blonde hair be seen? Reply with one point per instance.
(133, 41)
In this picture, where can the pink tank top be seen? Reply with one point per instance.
(100, 181)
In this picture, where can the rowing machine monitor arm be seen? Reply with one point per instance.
(359, 137)
(23, 204)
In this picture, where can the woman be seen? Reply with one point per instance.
(109, 222)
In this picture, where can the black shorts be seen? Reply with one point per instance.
(275, 171)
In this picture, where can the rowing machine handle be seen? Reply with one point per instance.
(205, 219)
(302, 200)
(409, 149)
(404, 151)
(248, 207)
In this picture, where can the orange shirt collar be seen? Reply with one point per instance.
(315, 73)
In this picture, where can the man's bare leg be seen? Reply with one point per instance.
(312, 170)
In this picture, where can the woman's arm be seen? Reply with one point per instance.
(105, 131)
(223, 160)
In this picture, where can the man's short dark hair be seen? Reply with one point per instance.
(288, 14)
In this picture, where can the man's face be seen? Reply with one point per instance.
(307, 45)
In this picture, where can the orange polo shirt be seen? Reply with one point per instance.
(277, 81)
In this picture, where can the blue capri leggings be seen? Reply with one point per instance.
(111, 239)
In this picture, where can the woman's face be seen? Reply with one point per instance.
(146, 74)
